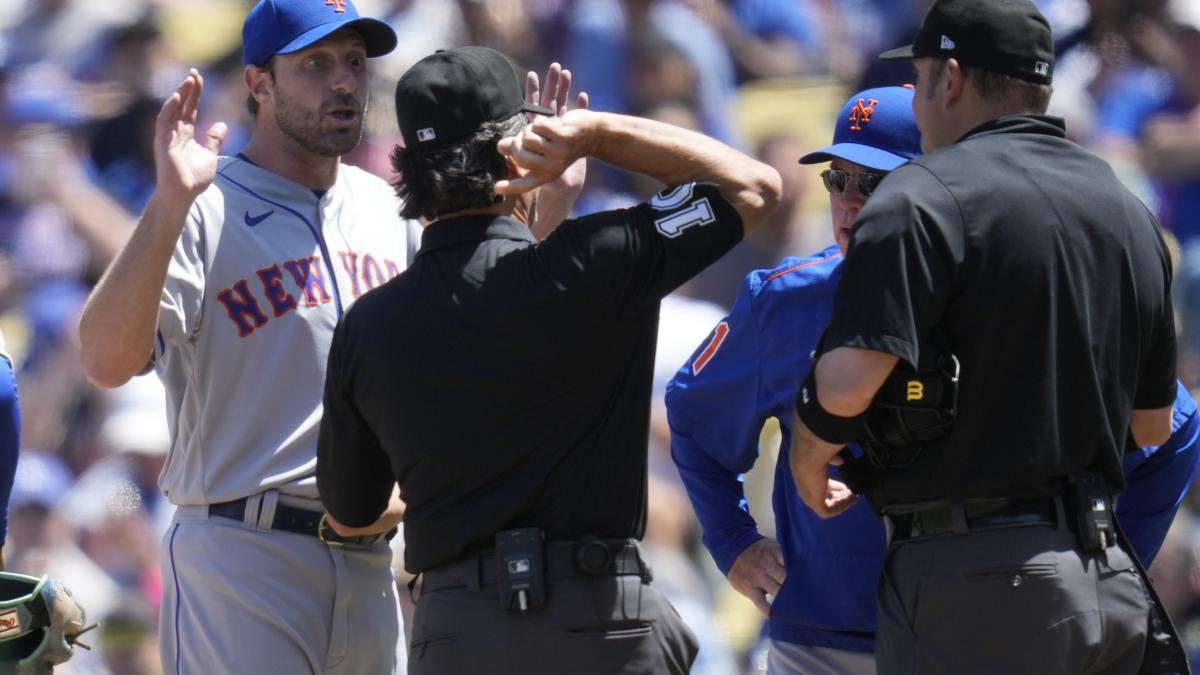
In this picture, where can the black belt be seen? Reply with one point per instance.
(297, 521)
(564, 559)
(945, 518)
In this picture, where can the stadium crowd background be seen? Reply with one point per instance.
(82, 80)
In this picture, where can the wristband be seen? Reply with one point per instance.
(825, 425)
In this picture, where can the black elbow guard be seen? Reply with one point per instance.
(825, 425)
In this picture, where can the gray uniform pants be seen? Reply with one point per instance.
(786, 658)
(601, 625)
(242, 601)
(1014, 600)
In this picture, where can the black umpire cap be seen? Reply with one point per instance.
(446, 96)
(1010, 37)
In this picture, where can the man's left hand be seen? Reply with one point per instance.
(556, 198)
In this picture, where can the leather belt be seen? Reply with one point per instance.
(295, 520)
(564, 559)
(946, 518)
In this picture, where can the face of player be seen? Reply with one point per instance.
(846, 204)
(320, 94)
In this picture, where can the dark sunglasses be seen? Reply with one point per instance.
(835, 181)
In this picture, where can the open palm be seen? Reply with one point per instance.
(185, 167)
(558, 196)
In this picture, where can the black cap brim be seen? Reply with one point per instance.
(905, 52)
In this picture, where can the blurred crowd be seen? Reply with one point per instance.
(81, 82)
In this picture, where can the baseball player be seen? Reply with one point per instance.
(822, 573)
(230, 287)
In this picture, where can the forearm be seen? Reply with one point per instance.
(392, 516)
(810, 453)
(847, 379)
(1152, 495)
(673, 155)
(120, 317)
(717, 497)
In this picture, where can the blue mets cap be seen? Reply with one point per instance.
(285, 26)
(875, 128)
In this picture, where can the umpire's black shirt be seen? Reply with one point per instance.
(1051, 282)
(506, 383)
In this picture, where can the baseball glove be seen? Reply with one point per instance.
(40, 623)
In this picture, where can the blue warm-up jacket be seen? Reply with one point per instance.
(748, 371)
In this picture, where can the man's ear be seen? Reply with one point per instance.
(514, 170)
(258, 81)
(954, 83)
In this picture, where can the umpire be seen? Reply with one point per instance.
(505, 384)
(1013, 265)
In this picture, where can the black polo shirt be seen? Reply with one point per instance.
(506, 383)
(1051, 282)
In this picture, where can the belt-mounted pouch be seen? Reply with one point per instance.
(1090, 505)
(521, 569)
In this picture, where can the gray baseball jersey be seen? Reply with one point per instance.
(260, 276)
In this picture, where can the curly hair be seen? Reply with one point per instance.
(440, 180)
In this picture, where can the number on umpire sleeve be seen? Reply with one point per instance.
(697, 213)
(672, 198)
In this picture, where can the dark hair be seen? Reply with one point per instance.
(251, 102)
(457, 177)
(996, 87)
(993, 86)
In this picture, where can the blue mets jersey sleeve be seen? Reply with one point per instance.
(10, 435)
(715, 412)
(1157, 478)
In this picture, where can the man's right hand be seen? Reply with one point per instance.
(184, 167)
(759, 571)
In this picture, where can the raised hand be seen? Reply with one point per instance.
(556, 92)
(557, 196)
(184, 167)
(759, 572)
(545, 149)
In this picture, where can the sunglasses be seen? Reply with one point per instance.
(835, 180)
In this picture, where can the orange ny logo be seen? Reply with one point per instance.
(337, 5)
(861, 113)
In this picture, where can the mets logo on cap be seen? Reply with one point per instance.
(339, 6)
(861, 113)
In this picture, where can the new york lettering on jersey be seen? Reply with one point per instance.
(306, 285)
(331, 266)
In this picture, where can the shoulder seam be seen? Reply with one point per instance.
(793, 268)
